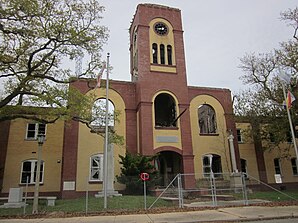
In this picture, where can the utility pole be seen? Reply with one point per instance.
(105, 158)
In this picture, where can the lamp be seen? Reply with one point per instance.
(40, 141)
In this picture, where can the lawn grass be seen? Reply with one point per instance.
(94, 205)
(127, 202)
(274, 195)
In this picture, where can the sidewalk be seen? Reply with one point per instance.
(222, 214)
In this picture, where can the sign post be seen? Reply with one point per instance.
(144, 177)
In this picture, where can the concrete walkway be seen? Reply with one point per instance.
(236, 214)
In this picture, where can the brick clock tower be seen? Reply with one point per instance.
(162, 102)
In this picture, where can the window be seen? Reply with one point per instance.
(294, 166)
(96, 167)
(277, 166)
(212, 164)
(244, 167)
(162, 53)
(207, 119)
(33, 129)
(239, 135)
(29, 168)
(99, 113)
(169, 53)
(154, 53)
(165, 111)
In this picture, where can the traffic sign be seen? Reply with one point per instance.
(144, 176)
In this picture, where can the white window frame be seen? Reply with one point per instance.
(211, 161)
(93, 169)
(36, 130)
(209, 165)
(32, 172)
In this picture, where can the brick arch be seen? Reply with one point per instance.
(168, 148)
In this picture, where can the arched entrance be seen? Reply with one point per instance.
(170, 164)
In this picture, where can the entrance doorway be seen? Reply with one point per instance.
(170, 164)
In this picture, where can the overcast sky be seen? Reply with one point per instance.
(216, 34)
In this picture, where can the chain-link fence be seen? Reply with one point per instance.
(220, 189)
(205, 190)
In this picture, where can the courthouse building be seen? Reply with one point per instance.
(191, 128)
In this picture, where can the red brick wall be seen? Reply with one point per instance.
(69, 156)
(4, 134)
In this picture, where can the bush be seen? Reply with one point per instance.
(132, 166)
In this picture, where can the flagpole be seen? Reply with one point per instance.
(290, 122)
(105, 159)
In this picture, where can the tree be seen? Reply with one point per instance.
(132, 166)
(37, 37)
(263, 102)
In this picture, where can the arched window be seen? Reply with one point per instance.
(99, 113)
(154, 53)
(96, 167)
(162, 53)
(212, 165)
(165, 110)
(207, 119)
(169, 52)
(28, 172)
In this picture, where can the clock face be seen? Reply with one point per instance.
(161, 28)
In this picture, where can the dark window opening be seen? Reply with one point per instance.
(244, 167)
(212, 165)
(165, 111)
(239, 135)
(277, 166)
(294, 166)
(207, 119)
(162, 54)
(169, 52)
(154, 52)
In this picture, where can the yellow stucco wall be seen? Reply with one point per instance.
(91, 143)
(209, 144)
(286, 166)
(19, 149)
(247, 151)
(166, 40)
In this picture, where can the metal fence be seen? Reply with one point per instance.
(219, 189)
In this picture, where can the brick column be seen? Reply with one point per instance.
(4, 134)
(188, 167)
(69, 159)
(146, 128)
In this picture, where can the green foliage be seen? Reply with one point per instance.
(132, 166)
(38, 40)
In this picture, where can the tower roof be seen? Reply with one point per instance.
(157, 6)
(153, 6)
